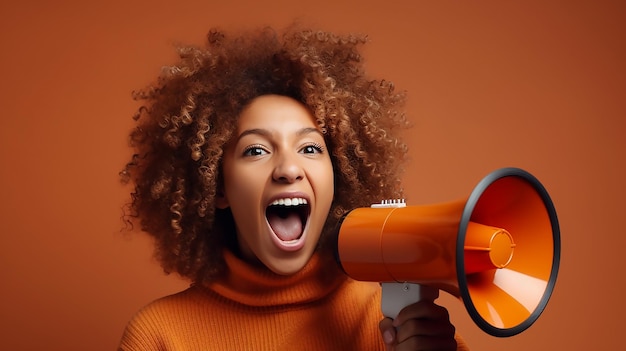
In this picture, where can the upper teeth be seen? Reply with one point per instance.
(290, 202)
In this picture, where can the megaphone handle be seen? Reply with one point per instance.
(396, 296)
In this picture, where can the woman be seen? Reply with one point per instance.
(248, 152)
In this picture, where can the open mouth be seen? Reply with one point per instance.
(288, 217)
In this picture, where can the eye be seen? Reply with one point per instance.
(255, 150)
(312, 149)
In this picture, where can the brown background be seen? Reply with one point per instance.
(530, 84)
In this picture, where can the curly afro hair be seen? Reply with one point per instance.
(190, 112)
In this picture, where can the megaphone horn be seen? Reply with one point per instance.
(498, 251)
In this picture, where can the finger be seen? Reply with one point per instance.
(427, 343)
(388, 332)
(421, 310)
(425, 327)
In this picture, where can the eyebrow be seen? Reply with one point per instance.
(267, 133)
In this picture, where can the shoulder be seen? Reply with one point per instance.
(175, 306)
(151, 322)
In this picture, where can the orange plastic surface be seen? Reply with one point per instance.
(505, 251)
(414, 243)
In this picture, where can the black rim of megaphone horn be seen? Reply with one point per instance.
(460, 264)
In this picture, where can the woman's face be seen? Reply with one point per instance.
(278, 183)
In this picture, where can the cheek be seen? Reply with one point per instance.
(324, 182)
(328, 175)
(238, 193)
(237, 180)
(243, 187)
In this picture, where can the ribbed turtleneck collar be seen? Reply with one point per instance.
(258, 286)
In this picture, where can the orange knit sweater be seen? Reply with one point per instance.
(254, 309)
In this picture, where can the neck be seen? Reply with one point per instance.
(255, 285)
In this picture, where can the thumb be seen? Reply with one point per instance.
(388, 332)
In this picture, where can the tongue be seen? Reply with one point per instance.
(287, 227)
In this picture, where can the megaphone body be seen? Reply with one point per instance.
(497, 250)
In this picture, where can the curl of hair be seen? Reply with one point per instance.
(190, 112)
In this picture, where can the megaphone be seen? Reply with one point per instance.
(497, 250)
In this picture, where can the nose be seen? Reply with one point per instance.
(287, 169)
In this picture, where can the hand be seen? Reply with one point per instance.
(420, 326)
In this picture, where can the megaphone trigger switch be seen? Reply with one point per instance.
(396, 296)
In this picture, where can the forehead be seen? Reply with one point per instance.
(274, 112)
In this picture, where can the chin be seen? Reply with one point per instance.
(288, 265)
